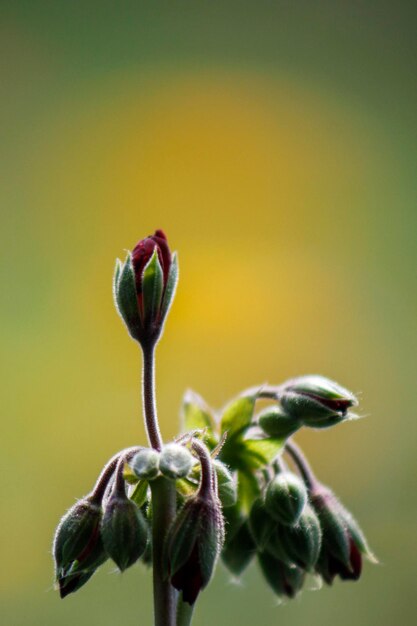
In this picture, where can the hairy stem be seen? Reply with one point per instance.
(148, 396)
(163, 512)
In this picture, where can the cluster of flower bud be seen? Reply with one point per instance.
(295, 529)
(113, 523)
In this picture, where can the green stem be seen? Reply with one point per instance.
(163, 512)
(184, 613)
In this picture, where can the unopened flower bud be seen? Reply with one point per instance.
(124, 531)
(277, 423)
(284, 580)
(316, 401)
(193, 544)
(343, 541)
(285, 498)
(301, 543)
(144, 286)
(239, 547)
(261, 524)
(175, 461)
(145, 464)
(78, 548)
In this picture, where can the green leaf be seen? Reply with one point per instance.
(152, 288)
(257, 453)
(195, 413)
(248, 490)
(139, 493)
(238, 415)
(170, 287)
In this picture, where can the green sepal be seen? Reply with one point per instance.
(238, 552)
(139, 494)
(124, 531)
(261, 524)
(170, 287)
(152, 289)
(181, 536)
(285, 498)
(125, 296)
(302, 542)
(284, 580)
(276, 423)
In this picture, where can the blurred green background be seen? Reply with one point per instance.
(275, 144)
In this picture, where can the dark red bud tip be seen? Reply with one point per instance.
(143, 251)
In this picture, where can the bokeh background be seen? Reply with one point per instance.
(275, 144)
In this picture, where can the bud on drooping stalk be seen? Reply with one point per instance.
(239, 547)
(284, 580)
(343, 541)
(316, 401)
(277, 423)
(78, 548)
(144, 287)
(285, 498)
(300, 544)
(196, 536)
(123, 528)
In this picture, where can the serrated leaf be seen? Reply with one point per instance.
(237, 416)
(171, 286)
(152, 287)
(139, 493)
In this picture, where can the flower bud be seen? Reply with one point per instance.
(276, 423)
(124, 531)
(193, 544)
(285, 498)
(175, 461)
(78, 548)
(144, 287)
(343, 541)
(145, 464)
(284, 580)
(239, 548)
(261, 524)
(301, 543)
(316, 401)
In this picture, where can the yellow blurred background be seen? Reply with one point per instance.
(274, 143)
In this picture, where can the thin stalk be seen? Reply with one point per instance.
(302, 464)
(163, 512)
(148, 396)
(107, 473)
